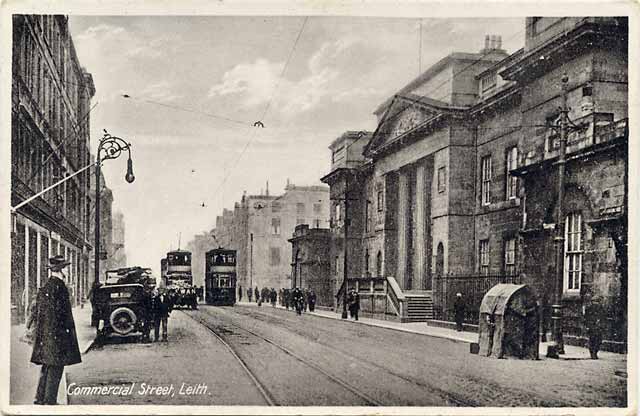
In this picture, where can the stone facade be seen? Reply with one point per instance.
(310, 267)
(259, 226)
(461, 177)
(50, 101)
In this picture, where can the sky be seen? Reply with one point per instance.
(196, 86)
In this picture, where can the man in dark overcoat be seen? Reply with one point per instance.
(55, 341)
(459, 308)
(312, 300)
(257, 293)
(354, 304)
(594, 317)
(161, 307)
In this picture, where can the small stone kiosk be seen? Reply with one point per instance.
(508, 325)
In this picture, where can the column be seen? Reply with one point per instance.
(39, 258)
(25, 298)
(403, 195)
(419, 227)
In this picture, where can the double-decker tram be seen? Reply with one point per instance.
(220, 277)
(179, 279)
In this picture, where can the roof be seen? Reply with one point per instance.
(497, 298)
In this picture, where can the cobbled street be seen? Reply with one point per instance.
(285, 359)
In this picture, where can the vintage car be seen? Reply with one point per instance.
(122, 308)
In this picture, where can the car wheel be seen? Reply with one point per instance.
(123, 320)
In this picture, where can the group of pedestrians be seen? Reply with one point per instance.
(301, 300)
(159, 307)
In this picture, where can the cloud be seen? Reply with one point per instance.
(160, 91)
(111, 40)
(255, 83)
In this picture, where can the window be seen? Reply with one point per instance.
(442, 179)
(366, 262)
(573, 252)
(367, 217)
(486, 180)
(512, 181)
(510, 256)
(380, 201)
(276, 206)
(484, 256)
(274, 256)
(275, 226)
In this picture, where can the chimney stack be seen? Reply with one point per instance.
(486, 43)
(492, 43)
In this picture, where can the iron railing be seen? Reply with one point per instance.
(472, 287)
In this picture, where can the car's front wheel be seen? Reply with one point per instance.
(123, 320)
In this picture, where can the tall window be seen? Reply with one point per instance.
(512, 181)
(276, 206)
(300, 208)
(366, 262)
(510, 256)
(380, 201)
(442, 179)
(486, 180)
(274, 256)
(367, 217)
(573, 252)
(275, 226)
(484, 256)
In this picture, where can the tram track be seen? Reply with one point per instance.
(259, 386)
(455, 400)
(370, 401)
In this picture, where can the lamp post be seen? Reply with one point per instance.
(110, 147)
(556, 308)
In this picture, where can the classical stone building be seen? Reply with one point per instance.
(50, 101)
(456, 189)
(259, 227)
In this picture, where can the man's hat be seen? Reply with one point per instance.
(57, 263)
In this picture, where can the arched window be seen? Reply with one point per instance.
(366, 262)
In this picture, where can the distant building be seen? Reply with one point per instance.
(50, 101)
(106, 227)
(117, 253)
(259, 226)
(310, 265)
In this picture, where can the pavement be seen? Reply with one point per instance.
(24, 374)
(422, 328)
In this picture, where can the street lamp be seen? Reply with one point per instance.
(110, 147)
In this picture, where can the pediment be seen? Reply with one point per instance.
(402, 116)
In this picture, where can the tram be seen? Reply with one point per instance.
(179, 280)
(220, 277)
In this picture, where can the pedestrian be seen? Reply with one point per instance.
(287, 298)
(459, 307)
(312, 300)
(257, 293)
(354, 304)
(162, 306)
(297, 299)
(249, 293)
(593, 312)
(93, 293)
(55, 340)
(240, 293)
(147, 314)
(274, 297)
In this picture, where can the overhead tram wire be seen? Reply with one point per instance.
(445, 82)
(268, 106)
(190, 110)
